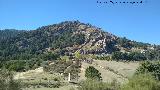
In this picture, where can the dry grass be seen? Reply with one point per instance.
(29, 74)
(111, 70)
(127, 69)
(69, 87)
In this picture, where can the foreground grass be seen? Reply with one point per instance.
(7, 82)
(137, 82)
(69, 87)
(142, 82)
(98, 85)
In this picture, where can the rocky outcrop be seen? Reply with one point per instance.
(96, 40)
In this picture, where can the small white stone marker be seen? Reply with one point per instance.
(69, 77)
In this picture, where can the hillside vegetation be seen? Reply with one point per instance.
(68, 37)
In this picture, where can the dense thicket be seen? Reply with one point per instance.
(136, 56)
(20, 64)
(9, 33)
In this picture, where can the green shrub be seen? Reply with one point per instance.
(152, 67)
(7, 82)
(93, 73)
(141, 82)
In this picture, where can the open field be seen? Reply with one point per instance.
(127, 69)
(110, 70)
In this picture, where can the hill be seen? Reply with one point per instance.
(66, 38)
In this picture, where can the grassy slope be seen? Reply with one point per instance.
(111, 70)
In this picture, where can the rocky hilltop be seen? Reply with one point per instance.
(93, 39)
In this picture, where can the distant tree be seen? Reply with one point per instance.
(93, 73)
(137, 56)
(17, 66)
(117, 55)
(49, 56)
(124, 42)
(153, 54)
(132, 56)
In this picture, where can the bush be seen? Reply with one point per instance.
(142, 82)
(152, 67)
(7, 82)
(93, 73)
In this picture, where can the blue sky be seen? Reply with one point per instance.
(140, 22)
